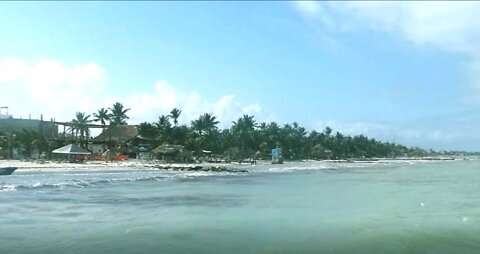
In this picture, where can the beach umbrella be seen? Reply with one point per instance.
(71, 149)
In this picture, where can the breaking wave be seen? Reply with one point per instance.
(84, 180)
(94, 179)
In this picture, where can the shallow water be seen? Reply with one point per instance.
(309, 207)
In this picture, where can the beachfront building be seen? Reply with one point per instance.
(46, 129)
(22, 138)
(120, 139)
(172, 153)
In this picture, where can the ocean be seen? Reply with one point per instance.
(297, 207)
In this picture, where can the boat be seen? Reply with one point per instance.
(7, 170)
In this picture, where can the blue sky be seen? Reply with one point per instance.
(403, 72)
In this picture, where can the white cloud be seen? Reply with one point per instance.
(58, 91)
(148, 106)
(447, 26)
(51, 88)
(163, 99)
(48, 87)
(308, 7)
(356, 128)
(252, 109)
(84, 74)
(12, 70)
(225, 109)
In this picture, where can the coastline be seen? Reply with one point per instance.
(134, 164)
(127, 165)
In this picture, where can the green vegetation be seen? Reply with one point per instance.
(118, 114)
(244, 139)
(80, 126)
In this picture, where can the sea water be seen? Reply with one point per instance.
(302, 207)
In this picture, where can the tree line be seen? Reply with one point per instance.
(26, 141)
(245, 138)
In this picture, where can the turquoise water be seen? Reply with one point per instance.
(309, 207)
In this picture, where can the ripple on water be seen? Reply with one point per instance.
(70, 214)
(139, 230)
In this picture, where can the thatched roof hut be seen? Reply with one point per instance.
(120, 133)
(172, 151)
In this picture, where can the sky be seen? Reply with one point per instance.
(404, 72)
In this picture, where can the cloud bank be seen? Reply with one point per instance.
(446, 26)
(165, 97)
(48, 86)
(56, 90)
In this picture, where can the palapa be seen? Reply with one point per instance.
(71, 149)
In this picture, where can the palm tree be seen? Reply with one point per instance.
(80, 124)
(244, 131)
(163, 121)
(205, 124)
(118, 114)
(101, 116)
(245, 137)
(273, 135)
(327, 131)
(210, 122)
(147, 130)
(164, 128)
(294, 141)
(12, 141)
(205, 127)
(4, 144)
(175, 114)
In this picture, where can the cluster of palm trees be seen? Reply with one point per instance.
(81, 124)
(246, 138)
(25, 141)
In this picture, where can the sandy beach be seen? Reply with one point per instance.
(155, 165)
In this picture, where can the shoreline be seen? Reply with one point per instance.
(134, 164)
(127, 165)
